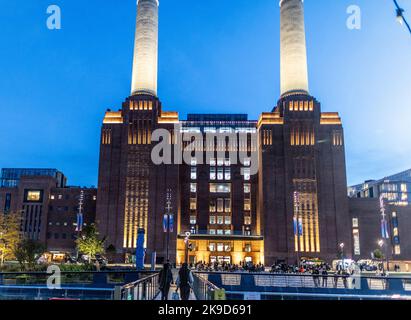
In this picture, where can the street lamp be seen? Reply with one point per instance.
(400, 15)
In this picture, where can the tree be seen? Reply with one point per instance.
(27, 251)
(9, 236)
(90, 243)
(378, 254)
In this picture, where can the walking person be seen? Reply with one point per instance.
(165, 280)
(324, 273)
(185, 282)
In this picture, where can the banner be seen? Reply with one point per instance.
(79, 226)
(165, 223)
(140, 250)
(300, 227)
(295, 222)
(384, 229)
(171, 225)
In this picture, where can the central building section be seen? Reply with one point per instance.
(219, 200)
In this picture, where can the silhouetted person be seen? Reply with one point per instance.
(185, 282)
(165, 280)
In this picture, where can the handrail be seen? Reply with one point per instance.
(143, 289)
(203, 289)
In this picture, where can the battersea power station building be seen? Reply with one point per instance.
(272, 189)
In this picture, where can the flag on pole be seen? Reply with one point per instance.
(79, 226)
(300, 227)
(295, 222)
(384, 229)
(171, 223)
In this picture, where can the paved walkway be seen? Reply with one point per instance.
(173, 289)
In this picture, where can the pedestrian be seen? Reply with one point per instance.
(324, 273)
(165, 280)
(185, 281)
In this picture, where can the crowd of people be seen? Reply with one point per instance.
(228, 267)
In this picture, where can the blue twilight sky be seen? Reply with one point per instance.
(215, 56)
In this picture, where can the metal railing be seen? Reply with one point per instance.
(143, 289)
(203, 289)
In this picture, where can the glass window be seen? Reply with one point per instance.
(212, 220)
(220, 187)
(211, 231)
(355, 222)
(220, 232)
(227, 205)
(247, 247)
(33, 196)
(247, 174)
(220, 247)
(397, 250)
(52, 197)
(247, 162)
(227, 162)
(220, 205)
(193, 220)
(212, 247)
(212, 162)
(227, 175)
(227, 247)
(220, 162)
(227, 232)
(247, 187)
(220, 174)
(220, 220)
(247, 220)
(227, 220)
(193, 161)
(193, 203)
(212, 206)
(193, 187)
(247, 204)
(193, 173)
(212, 173)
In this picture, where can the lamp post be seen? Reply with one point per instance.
(342, 245)
(168, 225)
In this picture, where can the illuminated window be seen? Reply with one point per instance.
(403, 187)
(220, 232)
(213, 175)
(220, 187)
(227, 162)
(247, 187)
(227, 232)
(227, 220)
(227, 174)
(247, 174)
(33, 196)
(94, 198)
(193, 173)
(193, 161)
(212, 206)
(212, 162)
(193, 220)
(247, 204)
(220, 162)
(247, 220)
(227, 247)
(395, 232)
(394, 214)
(227, 205)
(220, 220)
(247, 162)
(397, 250)
(212, 247)
(193, 203)
(211, 231)
(220, 205)
(220, 174)
(193, 187)
(212, 220)
(220, 247)
(355, 222)
(60, 197)
(52, 197)
(247, 247)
